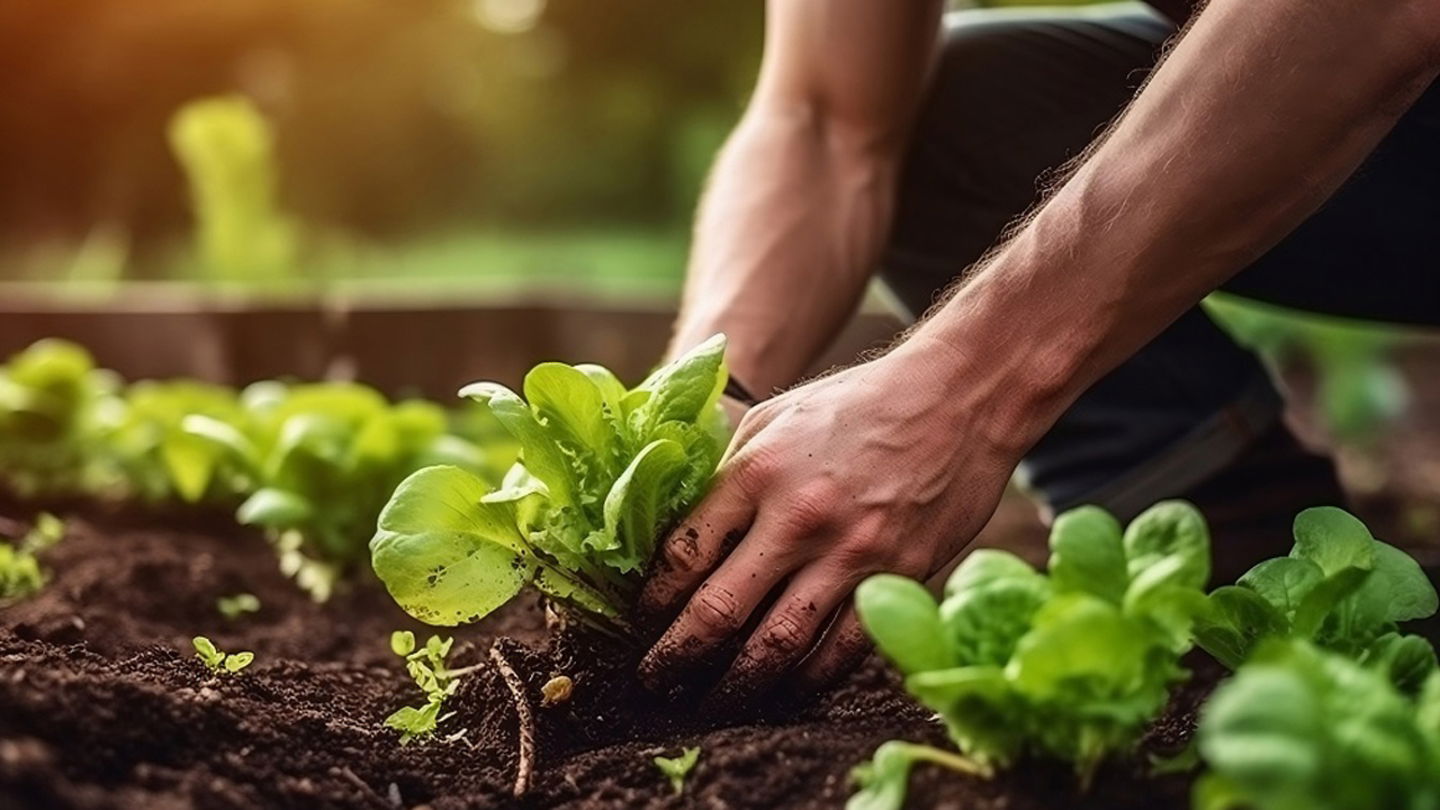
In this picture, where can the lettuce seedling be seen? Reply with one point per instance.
(1070, 665)
(326, 457)
(1300, 728)
(237, 605)
(676, 769)
(20, 572)
(1340, 587)
(426, 666)
(219, 661)
(55, 407)
(162, 461)
(602, 471)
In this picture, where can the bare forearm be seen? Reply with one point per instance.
(1262, 111)
(775, 270)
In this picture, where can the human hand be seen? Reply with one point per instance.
(883, 467)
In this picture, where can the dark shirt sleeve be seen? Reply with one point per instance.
(1177, 10)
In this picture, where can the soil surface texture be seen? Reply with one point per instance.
(104, 705)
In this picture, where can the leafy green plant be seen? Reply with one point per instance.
(326, 457)
(162, 461)
(219, 661)
(1340, 587)
(20, 572)
(885, 779)
(427, 666)
(237, 605)
(1299, 728)
(1358, 387)
(602, 471)
(55, 406)
(227, 150)
(1070, 665)
(676, 769)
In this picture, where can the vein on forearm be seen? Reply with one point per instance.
(1248, 125)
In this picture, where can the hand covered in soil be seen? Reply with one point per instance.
(882, 467)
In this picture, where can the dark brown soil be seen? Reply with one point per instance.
(103, 705)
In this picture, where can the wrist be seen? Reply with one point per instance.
(995, 352)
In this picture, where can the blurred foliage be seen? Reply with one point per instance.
(227, 149)
(1357, 389)
(389, 118)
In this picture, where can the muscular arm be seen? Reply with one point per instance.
(1259, 114)
(800, 197)
(1261, 111)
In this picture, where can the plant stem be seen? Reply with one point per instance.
(948, 759)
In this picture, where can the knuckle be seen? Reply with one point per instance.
(783, 635)
(865, 553)
(751, 470)
(716, 611)
(811, 507)
(681, 553)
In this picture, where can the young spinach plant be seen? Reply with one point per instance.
(1340, 587)
(1071, 665)
(602, 471)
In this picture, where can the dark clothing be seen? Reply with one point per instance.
(1177, 10)
(1018, 94)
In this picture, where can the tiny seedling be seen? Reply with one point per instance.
(219, 661)
(677, 768)
(237, 605)
(427, 666)
(20, 573)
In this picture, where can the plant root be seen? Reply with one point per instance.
(526, 761)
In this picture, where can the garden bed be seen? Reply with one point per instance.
(102, 703)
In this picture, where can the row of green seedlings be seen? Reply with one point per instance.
(312, 464)
(1331, 707)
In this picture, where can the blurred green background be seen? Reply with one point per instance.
(342, 138)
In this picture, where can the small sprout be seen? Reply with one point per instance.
(20, 574)
(46, 532)
(233, 607)
(557, 690)
(427, 666)
(238, 661)
(677, 768)
(216, 660)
